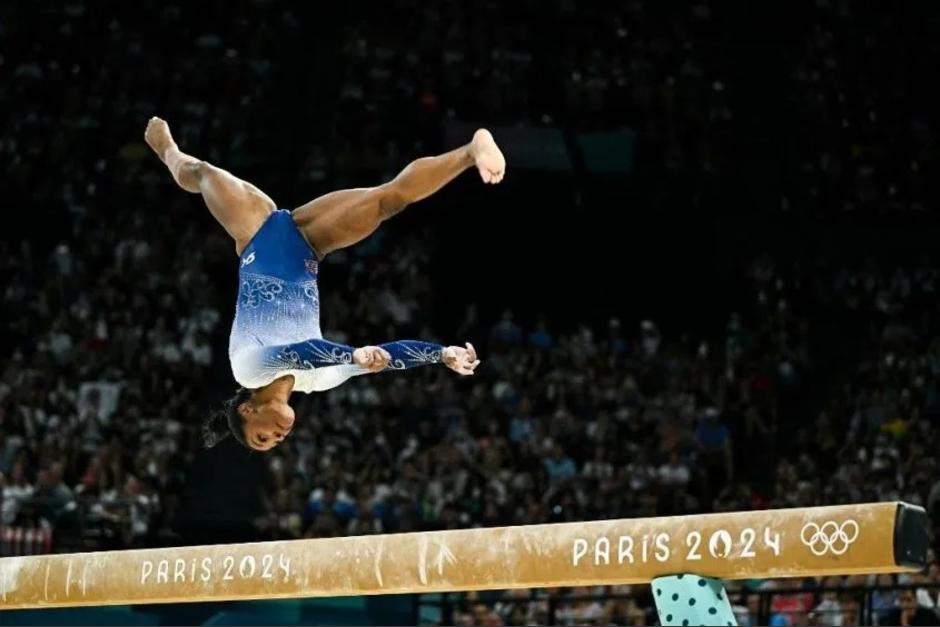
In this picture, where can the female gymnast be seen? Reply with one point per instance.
(276, 347)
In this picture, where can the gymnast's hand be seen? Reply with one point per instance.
(372, 358)
(461, 360)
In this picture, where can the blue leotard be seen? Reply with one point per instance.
(276, 330)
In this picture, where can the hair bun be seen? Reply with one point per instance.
(215, 428)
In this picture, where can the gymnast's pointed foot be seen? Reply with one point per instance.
(184, 168)
(158, 137)
(488, 157)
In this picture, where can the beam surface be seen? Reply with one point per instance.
(845, 539)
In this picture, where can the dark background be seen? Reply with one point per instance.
(804, 133)
(665, 235)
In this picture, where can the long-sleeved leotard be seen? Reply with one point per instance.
(319, 364)
(276, 330)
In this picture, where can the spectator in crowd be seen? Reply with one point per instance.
(908, 612)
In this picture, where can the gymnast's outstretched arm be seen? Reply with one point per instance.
(327, 364)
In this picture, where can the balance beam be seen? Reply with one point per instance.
(869, 538)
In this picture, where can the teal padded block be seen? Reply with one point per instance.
(692, 600)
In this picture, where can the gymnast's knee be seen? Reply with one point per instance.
(190, 173)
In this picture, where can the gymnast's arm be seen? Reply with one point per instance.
(410, 353)
(332, 363)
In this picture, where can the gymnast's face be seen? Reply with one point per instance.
(266, 424)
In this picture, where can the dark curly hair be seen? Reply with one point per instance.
(226, 421)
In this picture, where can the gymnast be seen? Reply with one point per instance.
(276, 346)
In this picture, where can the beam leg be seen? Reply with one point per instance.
(692, 600)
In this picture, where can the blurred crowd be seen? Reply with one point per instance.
(821, 388)
(864, 124)
(107, 352)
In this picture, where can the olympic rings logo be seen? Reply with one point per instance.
(830, 537)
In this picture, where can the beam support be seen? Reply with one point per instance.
(692, 600)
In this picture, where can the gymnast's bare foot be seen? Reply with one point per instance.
(488, 157)
(158, 137)
(185, 169)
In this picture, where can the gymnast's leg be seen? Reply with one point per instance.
(240, 207)
(340, 219)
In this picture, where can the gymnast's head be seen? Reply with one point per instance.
(255, 424)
